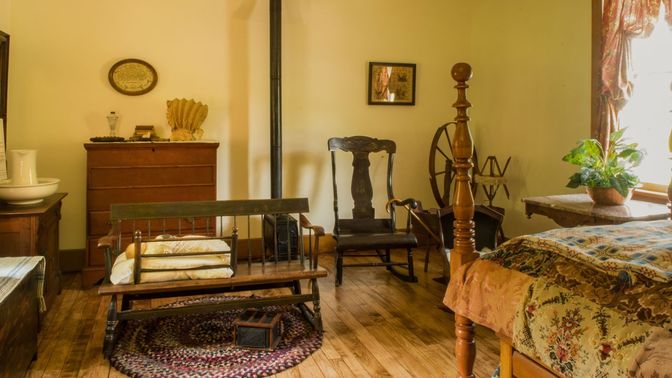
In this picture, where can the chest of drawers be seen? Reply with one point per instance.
(141, 172)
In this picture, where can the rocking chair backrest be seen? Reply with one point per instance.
(363, 213)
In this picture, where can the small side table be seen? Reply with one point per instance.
(570, 210)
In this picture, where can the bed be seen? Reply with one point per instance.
(173, 249)
(582, 302)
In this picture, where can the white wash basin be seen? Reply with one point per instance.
(27, 194)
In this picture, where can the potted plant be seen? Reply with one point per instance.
(607, 175)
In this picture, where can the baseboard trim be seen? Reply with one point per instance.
(72, 260)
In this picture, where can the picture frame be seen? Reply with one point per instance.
(132, 77)
(391, 83)
(4, 70)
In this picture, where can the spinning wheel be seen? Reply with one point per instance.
(441, 169)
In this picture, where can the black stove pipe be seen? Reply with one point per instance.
(276, 101)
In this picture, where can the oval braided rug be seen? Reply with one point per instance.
(201, 345)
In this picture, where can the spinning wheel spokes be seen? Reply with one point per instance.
(441, 169)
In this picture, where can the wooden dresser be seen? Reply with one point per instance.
(33, 231)
(133, 172)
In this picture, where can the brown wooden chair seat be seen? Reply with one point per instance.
(356, 242)
(365, 232)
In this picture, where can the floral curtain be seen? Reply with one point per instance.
(622, 20)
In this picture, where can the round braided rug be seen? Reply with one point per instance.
(201, 345)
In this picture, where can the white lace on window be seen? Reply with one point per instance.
(648, 114)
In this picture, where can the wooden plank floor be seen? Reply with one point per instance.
(375, 325)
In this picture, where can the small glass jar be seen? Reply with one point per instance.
(112, 122)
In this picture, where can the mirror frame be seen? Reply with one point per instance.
(4, 70)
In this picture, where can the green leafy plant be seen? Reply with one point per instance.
(612, 169)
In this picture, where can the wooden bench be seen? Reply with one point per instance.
(211, 219)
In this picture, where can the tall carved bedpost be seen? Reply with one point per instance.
(463, 207)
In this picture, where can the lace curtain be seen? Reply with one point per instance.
(622, 20)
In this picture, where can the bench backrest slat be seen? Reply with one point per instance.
(207, 208)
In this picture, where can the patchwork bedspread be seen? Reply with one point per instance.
(585, 302)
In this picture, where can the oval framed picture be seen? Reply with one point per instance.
(132, 77)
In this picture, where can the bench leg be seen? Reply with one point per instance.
(317, 316)
(110, 329)
(313, 316)
(125, 303)
(296, 287)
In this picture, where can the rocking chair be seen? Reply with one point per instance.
(364, 232)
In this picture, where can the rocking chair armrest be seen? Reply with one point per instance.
(408, 203)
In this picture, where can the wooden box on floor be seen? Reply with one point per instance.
(257, 330)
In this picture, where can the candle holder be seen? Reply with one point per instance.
(112, 122)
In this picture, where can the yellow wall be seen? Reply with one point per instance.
(5, 9)
(531, 87)
(217, 52)
(531, 94)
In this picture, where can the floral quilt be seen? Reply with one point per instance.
(597, 302)
(644, 248)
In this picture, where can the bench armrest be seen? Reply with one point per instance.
(318, 231)
(108, 243)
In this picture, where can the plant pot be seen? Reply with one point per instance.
(607, 196)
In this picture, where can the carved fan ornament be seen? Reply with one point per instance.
(185, 118)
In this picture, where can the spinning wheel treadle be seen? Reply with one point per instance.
(441, 165)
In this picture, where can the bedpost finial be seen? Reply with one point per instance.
(461, 72)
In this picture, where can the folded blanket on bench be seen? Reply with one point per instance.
(122, 270)
(168, 244)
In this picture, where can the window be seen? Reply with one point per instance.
(648, 114)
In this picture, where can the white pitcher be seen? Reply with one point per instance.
(22, 169)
